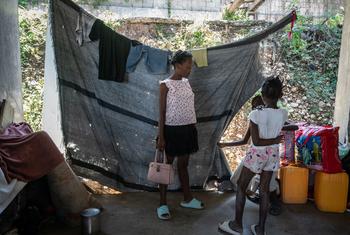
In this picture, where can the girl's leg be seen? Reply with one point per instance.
(182, 165)
(265, 179)
(162, 187)
(244, 180)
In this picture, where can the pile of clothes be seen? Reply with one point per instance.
(26, 157)
(36, 183)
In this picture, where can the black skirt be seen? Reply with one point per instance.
(180, 140)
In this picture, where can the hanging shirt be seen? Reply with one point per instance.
(156, 60)
(180, 103)
(113, 52)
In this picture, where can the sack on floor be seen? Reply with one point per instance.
(68, 194)
(318, 147)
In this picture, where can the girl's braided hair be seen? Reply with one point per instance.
(272, 88)
(180, 56)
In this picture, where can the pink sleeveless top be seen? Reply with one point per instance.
(180, 103)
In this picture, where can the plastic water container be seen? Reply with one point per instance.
(294, 184)
(331, 191)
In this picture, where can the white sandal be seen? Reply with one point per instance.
(224, 227)
(253, 229)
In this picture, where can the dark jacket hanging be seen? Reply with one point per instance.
(113, 52)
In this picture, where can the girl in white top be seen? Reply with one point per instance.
(177, 131)
(262, 156)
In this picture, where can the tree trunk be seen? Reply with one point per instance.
(10, 66)
(342, 100)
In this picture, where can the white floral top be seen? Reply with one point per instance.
(180, 103)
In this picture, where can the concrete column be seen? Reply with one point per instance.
(342, 100)
(10, 66)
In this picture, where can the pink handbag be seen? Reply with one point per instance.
(161, 172)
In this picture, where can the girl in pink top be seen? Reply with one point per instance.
(177, 131)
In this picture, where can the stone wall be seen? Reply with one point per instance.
(141, 28)
(201, 10)
(183, 9)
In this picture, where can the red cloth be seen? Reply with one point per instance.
(27, 155)
(294, 18)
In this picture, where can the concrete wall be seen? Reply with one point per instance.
(272, 10)
(194, 5)
(10, 66)
(179, 9)
(201, 10)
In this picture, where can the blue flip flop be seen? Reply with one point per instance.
(193, 204)
(163, 212)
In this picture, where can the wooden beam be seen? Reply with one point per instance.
(235, 5)
(342, 100)
(256, 5)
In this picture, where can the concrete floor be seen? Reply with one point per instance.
(134, 213)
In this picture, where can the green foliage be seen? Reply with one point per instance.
(187, 37)
(113, 24)
(335, 21)
(238, 15)
(311, 58)
(26, 3)
(23, 3)
(32, 46)
(293, 4)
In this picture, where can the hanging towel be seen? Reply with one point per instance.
(113, 52)
(200, 56)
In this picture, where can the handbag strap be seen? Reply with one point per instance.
(164, 156)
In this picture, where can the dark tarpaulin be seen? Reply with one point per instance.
(109, 128)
